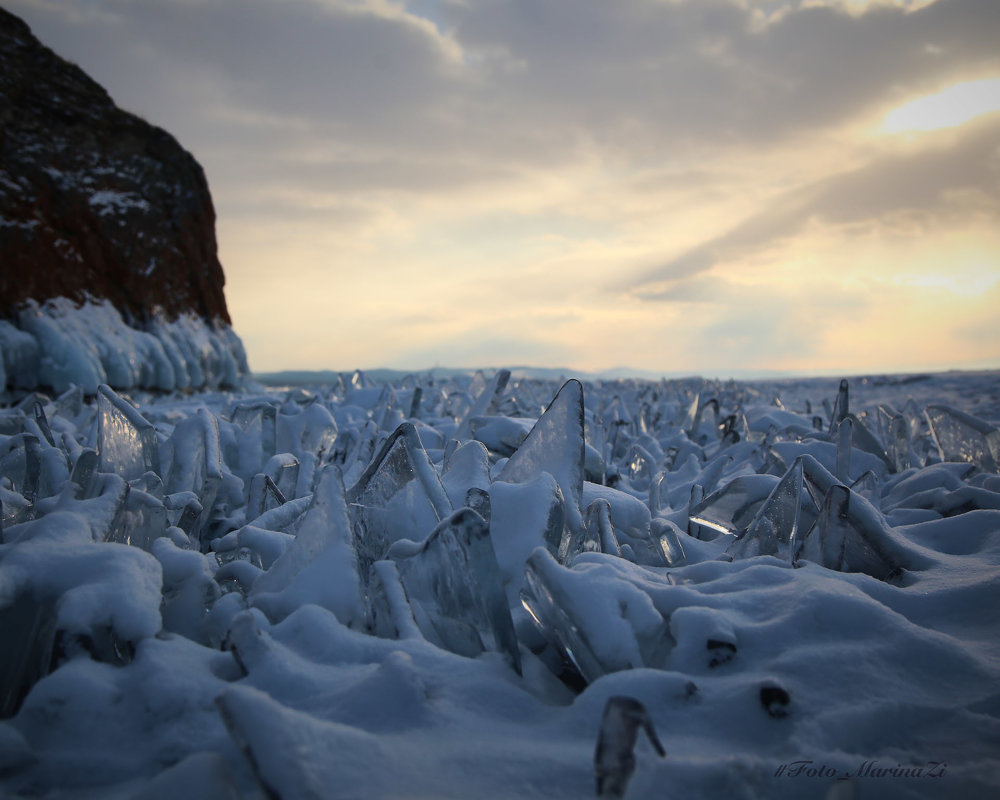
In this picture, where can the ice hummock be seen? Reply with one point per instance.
(239, 622)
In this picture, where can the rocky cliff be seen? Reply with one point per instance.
(98, 206)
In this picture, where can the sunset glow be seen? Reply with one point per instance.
(954, 106)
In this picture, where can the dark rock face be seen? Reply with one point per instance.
(93, 200)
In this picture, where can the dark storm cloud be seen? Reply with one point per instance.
(525, 81)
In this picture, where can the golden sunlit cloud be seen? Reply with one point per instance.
(950, 108)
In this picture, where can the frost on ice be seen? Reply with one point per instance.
(445, 587)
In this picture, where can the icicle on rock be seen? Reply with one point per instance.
(614, 756)
(126, 442)
(454, 587)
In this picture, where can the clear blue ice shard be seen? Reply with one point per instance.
(20, 463)
(195, 462)
(264, 495)
(324, 548)
(784, 516)
(614, 756)
(590, 537)
(963, 437)
(126, 442)
(256, 440)
(141, 521)
(551, 609)
(398, 496)
(455, 589)
(841, 406)
(732, 508)
(391, 616)
(850, 535)
(488, 401)
(283, 470)
(600, 529)
(555, 445)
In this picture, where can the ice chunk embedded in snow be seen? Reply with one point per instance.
(785, 516)
(126, 442)
(555, 445)
(454, 586)
(321, 565)
(732, 508)
(963, 437)
(614, 756)
(398, 496)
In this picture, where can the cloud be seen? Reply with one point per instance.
(374, 161)
(928, 184)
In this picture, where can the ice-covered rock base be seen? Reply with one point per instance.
(490, 587)
(60, 344)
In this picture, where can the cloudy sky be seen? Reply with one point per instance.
(703, 186)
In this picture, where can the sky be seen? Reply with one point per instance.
(715, 187)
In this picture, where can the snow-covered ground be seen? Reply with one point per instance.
(432, 589)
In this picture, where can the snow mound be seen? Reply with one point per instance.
(687, 587)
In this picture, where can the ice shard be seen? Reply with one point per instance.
(487, 403)
(321, 565)
(141, 520)
(263, 495)
(844, 433)
(27, 630)
(841, 406)
(390, 614)
(732, 508)
(555, 445)
(640, 468)
(590, 538)
(313, 430)
(849, 535)
(398, 496)
(20, 463)
(454, 586)
(600, 529)
(283, 470)
(127, 443)
(963, 437)
(195, 463)
(898, 443)
(614, 756)
(256, 440)
(43, 424)
(551, 610)
(786, 514)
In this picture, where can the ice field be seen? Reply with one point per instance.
(496, 586)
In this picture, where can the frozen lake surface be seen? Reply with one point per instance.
(484, 586)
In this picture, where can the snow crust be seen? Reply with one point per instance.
(212, 631)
